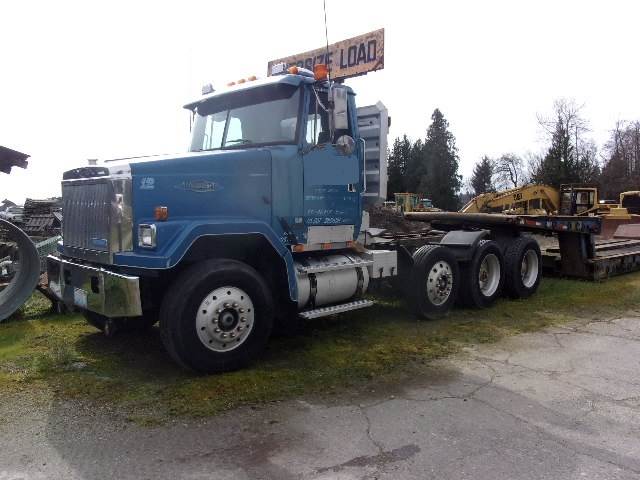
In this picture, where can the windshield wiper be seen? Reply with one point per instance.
(243, 141)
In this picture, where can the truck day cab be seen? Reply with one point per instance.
(256, 227)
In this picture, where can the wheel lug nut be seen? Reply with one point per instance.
(224, 335)
(235, 305)
(226, 305)
(218, 311)
(243, 319)
(217, 330)
(241, 310)
(232, 335)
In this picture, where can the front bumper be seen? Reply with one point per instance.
(94, 289)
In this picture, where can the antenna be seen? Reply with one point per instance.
(326, 36)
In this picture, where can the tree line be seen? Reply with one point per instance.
(429, 166)
(570, 156)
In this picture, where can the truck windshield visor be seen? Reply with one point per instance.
(258, 117)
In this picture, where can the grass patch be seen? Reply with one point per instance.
(385, 343)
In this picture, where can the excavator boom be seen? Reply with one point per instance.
(529, 199)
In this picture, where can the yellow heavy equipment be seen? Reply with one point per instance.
(569, 200)
(526, 200)
(411, 202)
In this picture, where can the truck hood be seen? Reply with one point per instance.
(210, 184)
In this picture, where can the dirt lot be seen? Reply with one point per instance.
(545, 388)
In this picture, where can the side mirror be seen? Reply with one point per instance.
(340, 118)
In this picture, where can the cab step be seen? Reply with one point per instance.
(328, 267)
(334, 309)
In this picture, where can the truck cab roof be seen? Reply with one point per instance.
(288, 79)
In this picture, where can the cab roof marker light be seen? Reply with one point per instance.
(320, 71)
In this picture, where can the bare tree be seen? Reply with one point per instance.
(509, 171)
(621, 169)
(571, 156)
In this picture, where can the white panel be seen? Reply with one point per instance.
(373, 127)
(330, 234)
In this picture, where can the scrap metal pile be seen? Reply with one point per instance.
(20, 263)
(43, 218)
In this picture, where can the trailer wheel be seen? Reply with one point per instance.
(433, 282)
(216, 316)
(482, 278)
(522, 267)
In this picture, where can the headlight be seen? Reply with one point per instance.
(147, 236)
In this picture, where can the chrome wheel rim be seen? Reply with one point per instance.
(439, 283)
(489, 275)
(529, 268)
(225, 319)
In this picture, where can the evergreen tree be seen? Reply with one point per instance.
(441, 177)
(558, 165)
(397, 164)
(417, 170)
(482, 177)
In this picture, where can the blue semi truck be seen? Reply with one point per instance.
(260, 225)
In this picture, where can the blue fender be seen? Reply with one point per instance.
(174, 238)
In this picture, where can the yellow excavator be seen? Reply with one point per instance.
(526, 200)
(569, 200)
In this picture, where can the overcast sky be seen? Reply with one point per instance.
(102, 80)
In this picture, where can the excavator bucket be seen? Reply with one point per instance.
(19, 269)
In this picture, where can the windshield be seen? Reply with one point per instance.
(263, 116)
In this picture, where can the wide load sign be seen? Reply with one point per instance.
(347, 58)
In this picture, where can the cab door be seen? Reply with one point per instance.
(332, 178)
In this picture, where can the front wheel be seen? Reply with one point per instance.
(433, 282)
(217, 316)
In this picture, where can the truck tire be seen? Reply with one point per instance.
(216, 316)
(481, 279)
(523, 264)
(433, 282)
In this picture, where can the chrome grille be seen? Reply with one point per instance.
(86, 211)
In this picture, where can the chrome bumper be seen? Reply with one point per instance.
(94, 289)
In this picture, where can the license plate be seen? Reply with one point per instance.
(79, 298)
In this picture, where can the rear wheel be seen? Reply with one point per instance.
(482, 278)
(433, 282)
(522, 267)
(217, 316)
